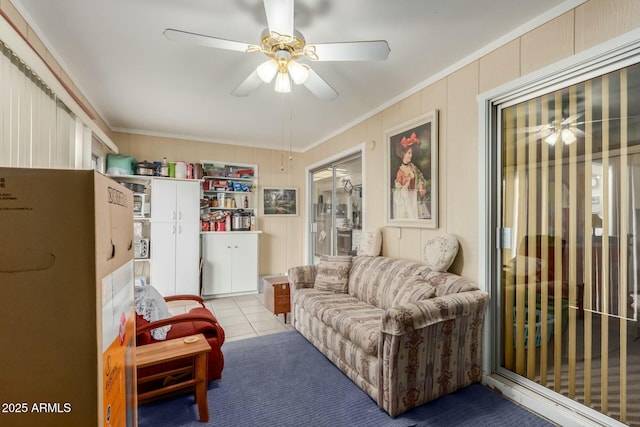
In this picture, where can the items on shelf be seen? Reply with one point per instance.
(229, 195)
(239, 220)
(228, 185)
(119, 164)
(226, 171)
(123, 165)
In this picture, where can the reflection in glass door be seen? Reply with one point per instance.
(570, 215)
(336, 208)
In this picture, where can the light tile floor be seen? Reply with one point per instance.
(240, 317)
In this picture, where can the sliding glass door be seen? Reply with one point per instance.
(570, 220)
(335, 208)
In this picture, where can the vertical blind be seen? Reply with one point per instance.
(36, 128)
(571, 198)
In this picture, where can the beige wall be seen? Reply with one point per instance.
(454, 97)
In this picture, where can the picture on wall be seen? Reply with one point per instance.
(280, 201)
(411, 186)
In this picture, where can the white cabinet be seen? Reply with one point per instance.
(230, 263)
(175, 231)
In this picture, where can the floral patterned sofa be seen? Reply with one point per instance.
(404, 333)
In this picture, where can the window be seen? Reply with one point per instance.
(36, 128)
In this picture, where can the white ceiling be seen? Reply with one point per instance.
(140, 82)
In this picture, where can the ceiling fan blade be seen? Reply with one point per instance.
(279, 16)
(533, 129)
(250, 84)
(319, 87)
(202, 40)
(571, 119)
(376, 50)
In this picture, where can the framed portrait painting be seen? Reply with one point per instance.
(411, 179)
(279, 201)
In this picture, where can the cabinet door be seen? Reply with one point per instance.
(244, 262)
(188, 238)
(216, 256)
(163, 200)
(163, 254)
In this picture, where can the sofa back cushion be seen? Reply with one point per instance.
(333, 273)
(377, 280)
(415, 288)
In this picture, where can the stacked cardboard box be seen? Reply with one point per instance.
(66, 298)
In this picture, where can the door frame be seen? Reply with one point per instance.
(613, 54)
(356, 149)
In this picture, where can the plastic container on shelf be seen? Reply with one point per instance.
(181, 170)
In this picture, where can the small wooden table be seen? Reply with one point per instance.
(179, 348)
(277, 295)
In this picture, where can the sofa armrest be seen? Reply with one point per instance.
(201, 321)
(173, 320)
(303, 276)
(195, 298)
(403, 319)
(430, 348)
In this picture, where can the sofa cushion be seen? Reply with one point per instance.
(370, 243)
(377, 280)
(355, 320)
(333, 273)
(360, 323)
(440, 252)
(416, 288)
(316, 302)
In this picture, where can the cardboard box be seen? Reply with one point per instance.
(67, 300)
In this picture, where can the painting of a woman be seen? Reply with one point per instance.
(412, 173)
(410, 185)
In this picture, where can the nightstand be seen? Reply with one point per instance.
(277, 294)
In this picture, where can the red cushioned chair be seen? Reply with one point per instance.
(197, 320)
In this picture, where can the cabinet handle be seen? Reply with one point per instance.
(174, 229)
(180, 229)
(228, 247)
(236, 247)
(180, 216)
(174, 215)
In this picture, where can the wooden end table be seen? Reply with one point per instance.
(195, 346)
(277, 295)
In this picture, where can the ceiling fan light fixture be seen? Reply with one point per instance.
(298, 72)
(283, 84)
(552, 138)
(267, 70)
(568, 137)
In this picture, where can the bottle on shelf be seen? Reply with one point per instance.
(246, 202)
(164, 167)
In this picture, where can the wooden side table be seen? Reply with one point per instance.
(195, 346)
(277, 295)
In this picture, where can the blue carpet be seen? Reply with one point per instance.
(282, 380)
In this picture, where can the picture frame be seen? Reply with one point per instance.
(279, 201)
(411, 178)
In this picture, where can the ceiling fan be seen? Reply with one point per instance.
(565, 129)
(285, 46)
